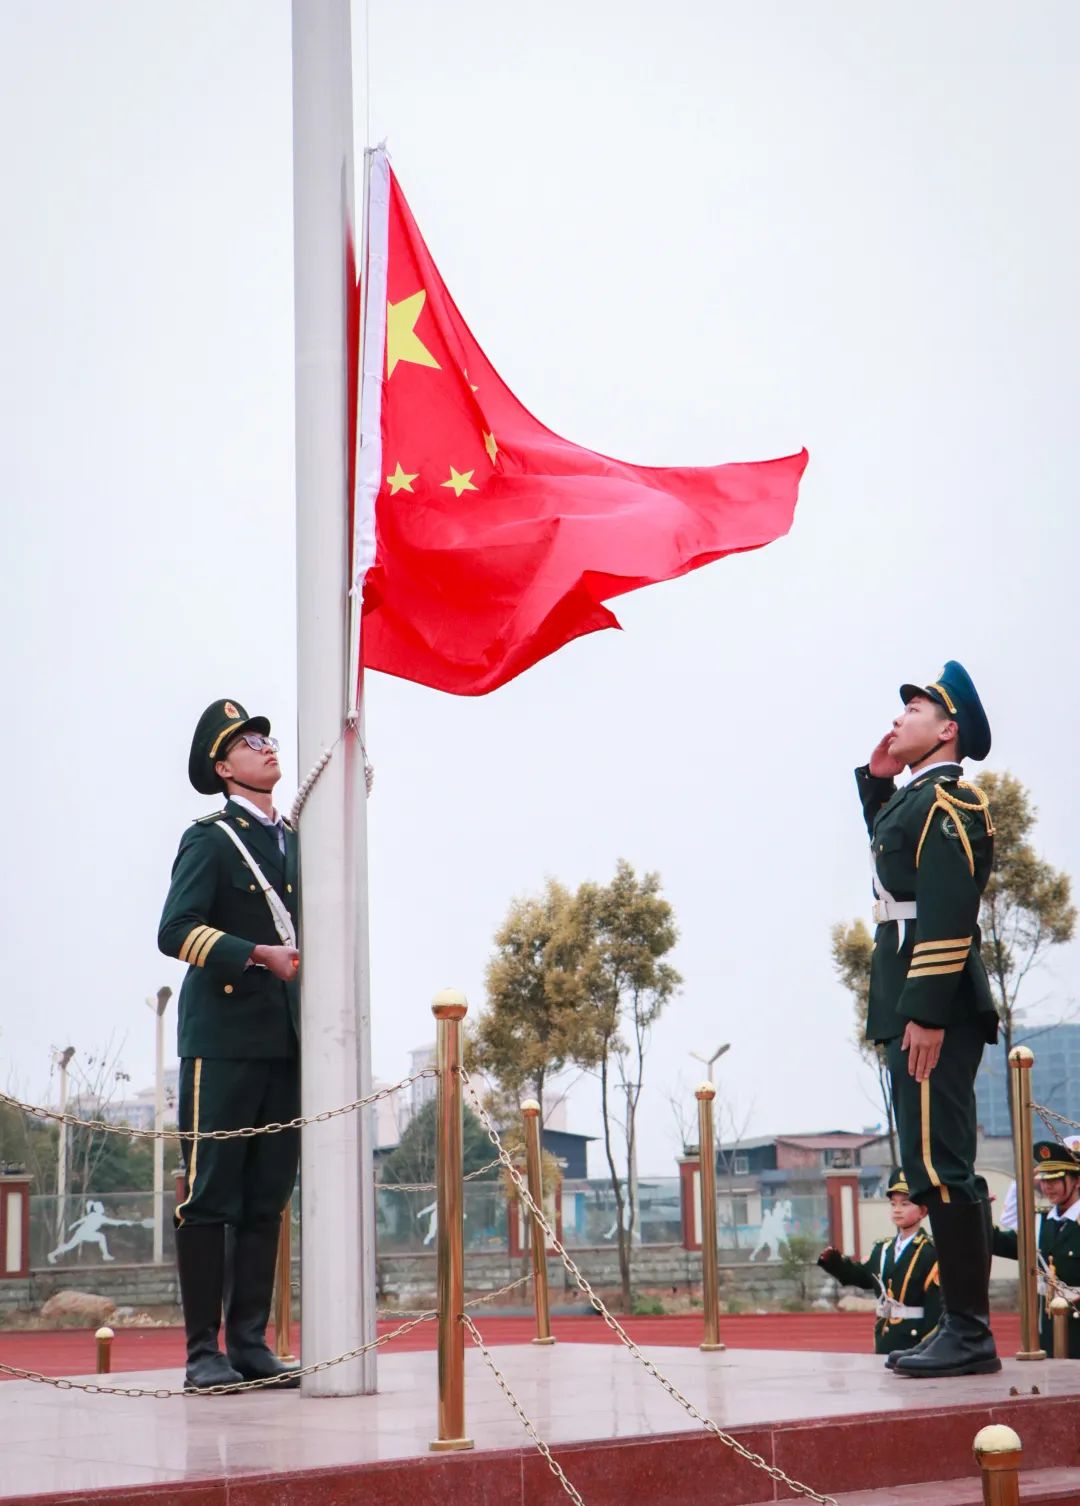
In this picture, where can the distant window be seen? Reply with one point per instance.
(741, 1166)
(740, 1207)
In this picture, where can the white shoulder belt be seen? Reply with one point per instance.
(282, 919)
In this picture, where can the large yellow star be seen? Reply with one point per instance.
(490, 446)
(460, 481)
(402, 341)
(399, 481)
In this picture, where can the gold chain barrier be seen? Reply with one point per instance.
(249, 1132)
(64, 1383)
(616, 1327)
(1021, 1061)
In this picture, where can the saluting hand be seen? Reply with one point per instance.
(282, 961)
(882, 764)
(923, 1046)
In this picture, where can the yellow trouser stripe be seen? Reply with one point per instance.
(199, 956)
(942, 946)
(192, 1164)
(924, 1105)
(192, 939)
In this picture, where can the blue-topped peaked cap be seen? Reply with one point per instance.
(955, 690)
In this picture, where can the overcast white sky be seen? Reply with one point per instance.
(684, 234)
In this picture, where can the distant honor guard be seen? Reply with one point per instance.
(930, 1004)
(1057, 1175)
(232, 914)
(903, 1271)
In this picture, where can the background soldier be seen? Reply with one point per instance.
(930, 1002)
(1057, 1172)
(903, 1271)
(231, 914)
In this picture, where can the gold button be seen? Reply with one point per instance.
(228, 988)
(251, 886)
(288, 888)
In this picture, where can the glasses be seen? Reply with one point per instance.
(257, 742)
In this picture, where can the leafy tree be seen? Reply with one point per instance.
(413, 1160)
(534, 1023)
(852, 949)
(1027, 905)
(625, 930)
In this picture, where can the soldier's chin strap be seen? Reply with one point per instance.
(932, 750)
(254, 788)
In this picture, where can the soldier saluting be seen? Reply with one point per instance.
(930, 1003)
(232, 915)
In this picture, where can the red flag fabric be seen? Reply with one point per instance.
(495, 541)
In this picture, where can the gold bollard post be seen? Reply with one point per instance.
(710, 1285)
(449, 1009)
(997, 1453)
(1059, 1311)
(104, 1337)
(1021, 1061)
(534, 1173)
(283, 1288)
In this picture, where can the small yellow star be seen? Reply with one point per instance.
(465, 374)
(399, 481)
(460, 481)
(402, 341)
(490, 446)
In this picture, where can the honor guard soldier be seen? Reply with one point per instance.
(930, 1004)
(1057, 1174)
(903, 1271)
(232, 916)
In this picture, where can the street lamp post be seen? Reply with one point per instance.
(158, 1005)
(62, 1058)
(709, 1061)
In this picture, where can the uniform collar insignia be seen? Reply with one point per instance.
(241, 822)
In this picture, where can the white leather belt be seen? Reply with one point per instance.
(896, 1312)
(893, 909)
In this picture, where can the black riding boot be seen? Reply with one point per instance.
(200, 1262)
(248, 1295)
(988, 1220)
(963, 1343)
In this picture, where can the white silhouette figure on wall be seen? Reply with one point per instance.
(625, 1223)
(773, 1230)
(87, 1230)
(433, 1221)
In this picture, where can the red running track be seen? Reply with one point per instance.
(72, 1351)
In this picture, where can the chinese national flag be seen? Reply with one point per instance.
(494, 541)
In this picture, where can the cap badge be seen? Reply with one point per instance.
(231, 711)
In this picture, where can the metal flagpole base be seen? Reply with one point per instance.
(550, 1340)
(450, 1445)
(1031, 1354)
(711, 1348)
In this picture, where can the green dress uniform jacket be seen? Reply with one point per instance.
(214, 915)
(932, 843)
(910, 1283)
(1059, 1245)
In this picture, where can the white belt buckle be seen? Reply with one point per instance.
(880, 912)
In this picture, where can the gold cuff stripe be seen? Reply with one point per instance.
(192, 939)
(194, 1144)
(929, 959)
(942, 946)
(945, 696)
(914, 974)
(199, 955)
(216, 744)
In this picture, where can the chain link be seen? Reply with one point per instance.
(616, 1327)
(431, 1186)
(490, 1296)
(556, 1469)
(63, 1383)
(1046, 1115)
(247, 1133)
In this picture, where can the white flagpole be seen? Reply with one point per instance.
(336, 1175)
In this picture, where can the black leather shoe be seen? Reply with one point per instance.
(200, 1264)
(962, 1345)
(249, 1292)
(891, 1359)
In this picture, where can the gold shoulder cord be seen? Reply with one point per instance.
(952, 805)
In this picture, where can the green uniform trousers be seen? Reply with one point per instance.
(243, 1181)
(936, 1120)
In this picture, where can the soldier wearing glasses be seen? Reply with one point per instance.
(232, 915)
